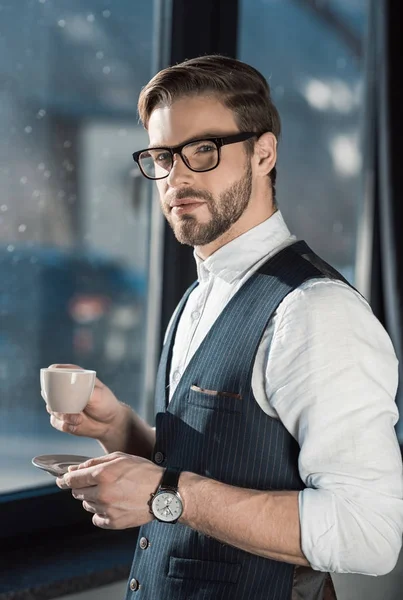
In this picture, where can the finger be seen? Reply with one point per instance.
(81, 478)
(98, 460)
(60, 482)
(66, 423)
(70, 418)
(92, 508)
(98, 384)
(101, 521)
(89, 494)
(73, 467)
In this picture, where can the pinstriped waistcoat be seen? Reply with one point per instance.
(228, 438)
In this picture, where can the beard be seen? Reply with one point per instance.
(225, 211)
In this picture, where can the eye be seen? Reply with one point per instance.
(205, 148)
(162, 157)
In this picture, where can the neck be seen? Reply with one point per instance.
(250, 219)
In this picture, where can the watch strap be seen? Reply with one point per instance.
(170, 478)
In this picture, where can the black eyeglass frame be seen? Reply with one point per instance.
(218, 141)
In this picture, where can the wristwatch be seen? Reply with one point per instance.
(166, 504)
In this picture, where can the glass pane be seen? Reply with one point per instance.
(74, 212)
(311, 54)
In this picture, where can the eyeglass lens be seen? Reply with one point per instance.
(199, 156)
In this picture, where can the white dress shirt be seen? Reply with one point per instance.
(327, 369)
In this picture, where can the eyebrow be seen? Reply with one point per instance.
(201, 136)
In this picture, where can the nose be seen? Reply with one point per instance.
(180, 174)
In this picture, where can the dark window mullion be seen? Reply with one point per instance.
(198, 28)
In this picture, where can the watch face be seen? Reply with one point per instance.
(167, 506)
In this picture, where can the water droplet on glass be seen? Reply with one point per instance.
(42, 1)
(90, 18)
(47, 174)
(61, 194)
(28, 129)
(36, 194)
(62, 23)
(4, 208)
(22, 228)
(41, 166)
(68, 166)
(10, 248)
(67, 144)
(41, 113)
(106, 14)
(106, 70)
(99, 55)
(24, 180)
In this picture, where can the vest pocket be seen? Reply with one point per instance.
(203, 570)
(215, 400)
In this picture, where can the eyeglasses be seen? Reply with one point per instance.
(199, 155)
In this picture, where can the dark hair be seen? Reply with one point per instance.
(237, 85)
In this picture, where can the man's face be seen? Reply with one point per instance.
(220, 196)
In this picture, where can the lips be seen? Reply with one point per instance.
(184, 202)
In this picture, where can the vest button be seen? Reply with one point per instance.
(134, 585)
(144, 543)
(159, 458)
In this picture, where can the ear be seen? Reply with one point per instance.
(266, 153)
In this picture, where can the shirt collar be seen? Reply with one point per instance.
(232, 261)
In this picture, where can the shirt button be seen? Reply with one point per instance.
(134, 585)
(195, 315)
(159, 458)
(176, 376)
(144, 543)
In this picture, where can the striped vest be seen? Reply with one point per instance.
(228, 438)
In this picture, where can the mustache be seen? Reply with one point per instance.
(189, 193)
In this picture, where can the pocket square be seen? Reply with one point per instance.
(196, 388)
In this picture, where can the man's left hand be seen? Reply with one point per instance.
(116, 488)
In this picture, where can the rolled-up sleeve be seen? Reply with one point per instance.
(332, 377)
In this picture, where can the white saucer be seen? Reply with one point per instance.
(57, 464)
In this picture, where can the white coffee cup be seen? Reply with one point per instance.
(67, 390)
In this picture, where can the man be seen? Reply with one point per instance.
(274, 459)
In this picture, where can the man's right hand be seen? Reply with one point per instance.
(102, 413)
(116, 426)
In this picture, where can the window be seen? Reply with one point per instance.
(74, 212)
(312, 55)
